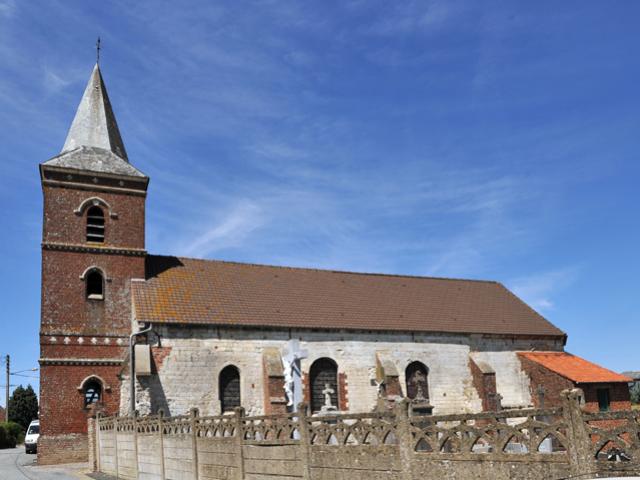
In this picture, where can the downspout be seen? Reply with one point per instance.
(132, 368)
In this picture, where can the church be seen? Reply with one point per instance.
(125, 330)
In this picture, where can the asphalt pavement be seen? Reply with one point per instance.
(15, 464)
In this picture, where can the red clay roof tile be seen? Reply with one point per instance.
(574, 368)
(181, 290)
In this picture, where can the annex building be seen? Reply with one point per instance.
(217, 335)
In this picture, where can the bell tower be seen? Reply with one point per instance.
(92, 246)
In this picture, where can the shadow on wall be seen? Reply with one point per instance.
(157, 397)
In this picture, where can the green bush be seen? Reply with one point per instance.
(15, 430)
(6, 439)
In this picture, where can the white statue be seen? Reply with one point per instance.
(327, 395)
(292, 374)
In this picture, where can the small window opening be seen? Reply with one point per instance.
(95, 285)
(92, 392)
(229, 388)
(95, 225)
(603, 399)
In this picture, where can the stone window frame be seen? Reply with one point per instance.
(96, 379)
(94, 202)
(85, 279)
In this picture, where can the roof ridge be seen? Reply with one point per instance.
(348, 272)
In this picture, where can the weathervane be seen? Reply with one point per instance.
(98, 52)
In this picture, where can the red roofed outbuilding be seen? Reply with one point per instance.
(552, 372)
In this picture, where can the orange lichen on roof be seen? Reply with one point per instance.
(574, 368)
(189, 291)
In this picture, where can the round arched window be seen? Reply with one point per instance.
(323, 380)
(95, 285)
(95, 225)
(92, 392)
(229, 388)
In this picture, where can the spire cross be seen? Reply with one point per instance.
(98, 51)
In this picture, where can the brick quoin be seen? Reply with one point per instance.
(82, 338)
(343, 392)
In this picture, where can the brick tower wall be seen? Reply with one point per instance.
(82, 338)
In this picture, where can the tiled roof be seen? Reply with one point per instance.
(94, 159)
(181, 290)
(574, 368)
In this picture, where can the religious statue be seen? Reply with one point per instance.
(292, 373)
(328, 406)
(327, 395)
(419, 379)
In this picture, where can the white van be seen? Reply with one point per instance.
(31, 438)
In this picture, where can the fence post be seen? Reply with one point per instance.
(91, 442)
(134, 417)
(194, 440)
(405, 440)
(98, 442)
(239, 437)
(305, 440)
(115, 443)
(161, 442)
(581, 459)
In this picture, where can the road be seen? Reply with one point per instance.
(15, 464)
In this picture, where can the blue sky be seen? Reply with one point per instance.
(492, 140)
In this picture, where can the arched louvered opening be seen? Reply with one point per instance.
(417, 376)
(95, 285)
(95, 225)
(229, 388)
(92, 392)
(323, 381)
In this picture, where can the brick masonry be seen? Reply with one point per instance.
(82, 339)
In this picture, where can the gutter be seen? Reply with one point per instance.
(132, 369)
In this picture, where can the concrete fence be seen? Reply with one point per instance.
(518, 444)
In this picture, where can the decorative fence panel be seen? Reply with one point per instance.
(530, 444)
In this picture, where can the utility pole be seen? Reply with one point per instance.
(6, 410)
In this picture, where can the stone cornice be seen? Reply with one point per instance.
(94, 188)
(68, 247)
(81, 361)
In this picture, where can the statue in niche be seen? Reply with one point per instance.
(328, 406)
(419, 379)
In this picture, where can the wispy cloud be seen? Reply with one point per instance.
(230, 231)
(54, 81)
(414, 16)
(7, 8)
(538, 290)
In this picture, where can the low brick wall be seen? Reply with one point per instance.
(68, 448)
(528, 444)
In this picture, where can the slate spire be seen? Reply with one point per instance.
(95, 124)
